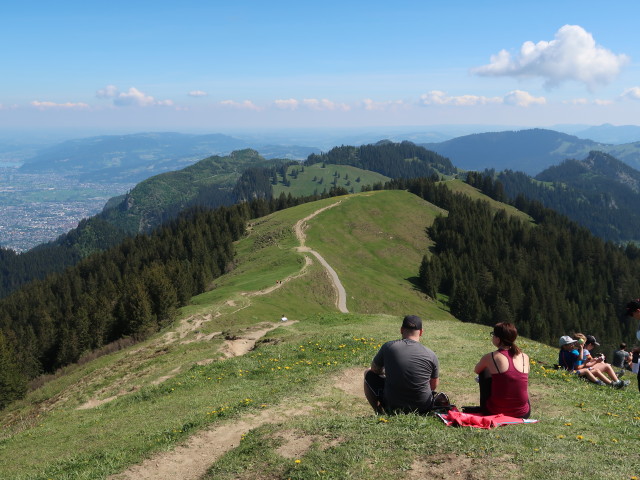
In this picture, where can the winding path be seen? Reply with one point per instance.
(299, 229)
(192, 459)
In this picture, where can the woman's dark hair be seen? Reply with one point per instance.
(507, 333)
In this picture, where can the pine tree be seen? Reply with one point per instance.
(13, 384)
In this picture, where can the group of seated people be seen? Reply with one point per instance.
(575, 356)
(404, 374)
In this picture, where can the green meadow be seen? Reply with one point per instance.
(318, 178)
(184, 404)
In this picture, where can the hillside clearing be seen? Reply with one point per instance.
(292, 406)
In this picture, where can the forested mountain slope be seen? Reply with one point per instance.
(599, 192)
(136, 157)
(529, 151)
(292, 407)
(219, 180)
(395, 160)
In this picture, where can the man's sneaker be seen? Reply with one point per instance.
(600, 382)
(620, 373)
(441, 400)
(620, 384)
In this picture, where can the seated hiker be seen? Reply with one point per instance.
(599, 367)
(570, 358)
(635, 359)
(633, 311)
(404, 373)
(622, 358)
(504, 375)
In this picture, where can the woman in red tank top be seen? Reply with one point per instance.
(504, 375)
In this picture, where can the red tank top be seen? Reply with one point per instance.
(509, 391)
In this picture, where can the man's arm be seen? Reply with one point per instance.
(378, 370)
(433, 383)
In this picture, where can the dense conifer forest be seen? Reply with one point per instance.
(395, 160)
(128, 291)
(552, 278)
(600, 193)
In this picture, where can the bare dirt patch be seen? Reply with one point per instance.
(450, 466)
(351, 381)
(191, 460)
(296, 444)
(243, 344)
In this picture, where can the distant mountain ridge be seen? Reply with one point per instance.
(162, 197)
(597, 167)
(135, 157)
(212, 182)
(607, 133)
(600, 192)
(530, 151)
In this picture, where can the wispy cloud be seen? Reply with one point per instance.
(632, 93)
(197, 93)
(520, 98)
(372, 105)
(132, 97)
(311, 104)
(288, 104)
(324, 104)
(438, 97)
(584, 101)
(516, 98)
(576, 101)
(572, 55)
(67, 105)
(245, 105)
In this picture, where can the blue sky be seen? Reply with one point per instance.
(216, 65)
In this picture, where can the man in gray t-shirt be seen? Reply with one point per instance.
(404, 373)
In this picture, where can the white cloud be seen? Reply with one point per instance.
(438, 97)
(197, 93)
(632, 93)
(246, 105)
(517, 98)
(289, 104)
(324, 104)
(67, 105)
(576, 101)
(110, 91)
(583, 101)
(572, 55)
(133, 97)
(520, 98)
(371, 105)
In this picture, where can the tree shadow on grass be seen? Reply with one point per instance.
(415, 283)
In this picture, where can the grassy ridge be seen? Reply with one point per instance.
(372, 240)
(316, 178)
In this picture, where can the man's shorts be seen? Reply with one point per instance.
(375, 383)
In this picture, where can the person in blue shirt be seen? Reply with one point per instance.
(570, 358)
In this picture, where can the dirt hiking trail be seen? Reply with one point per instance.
(299, 228)
(191, 460)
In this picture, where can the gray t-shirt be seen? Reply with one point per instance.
(409, 366)
(620, 358)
